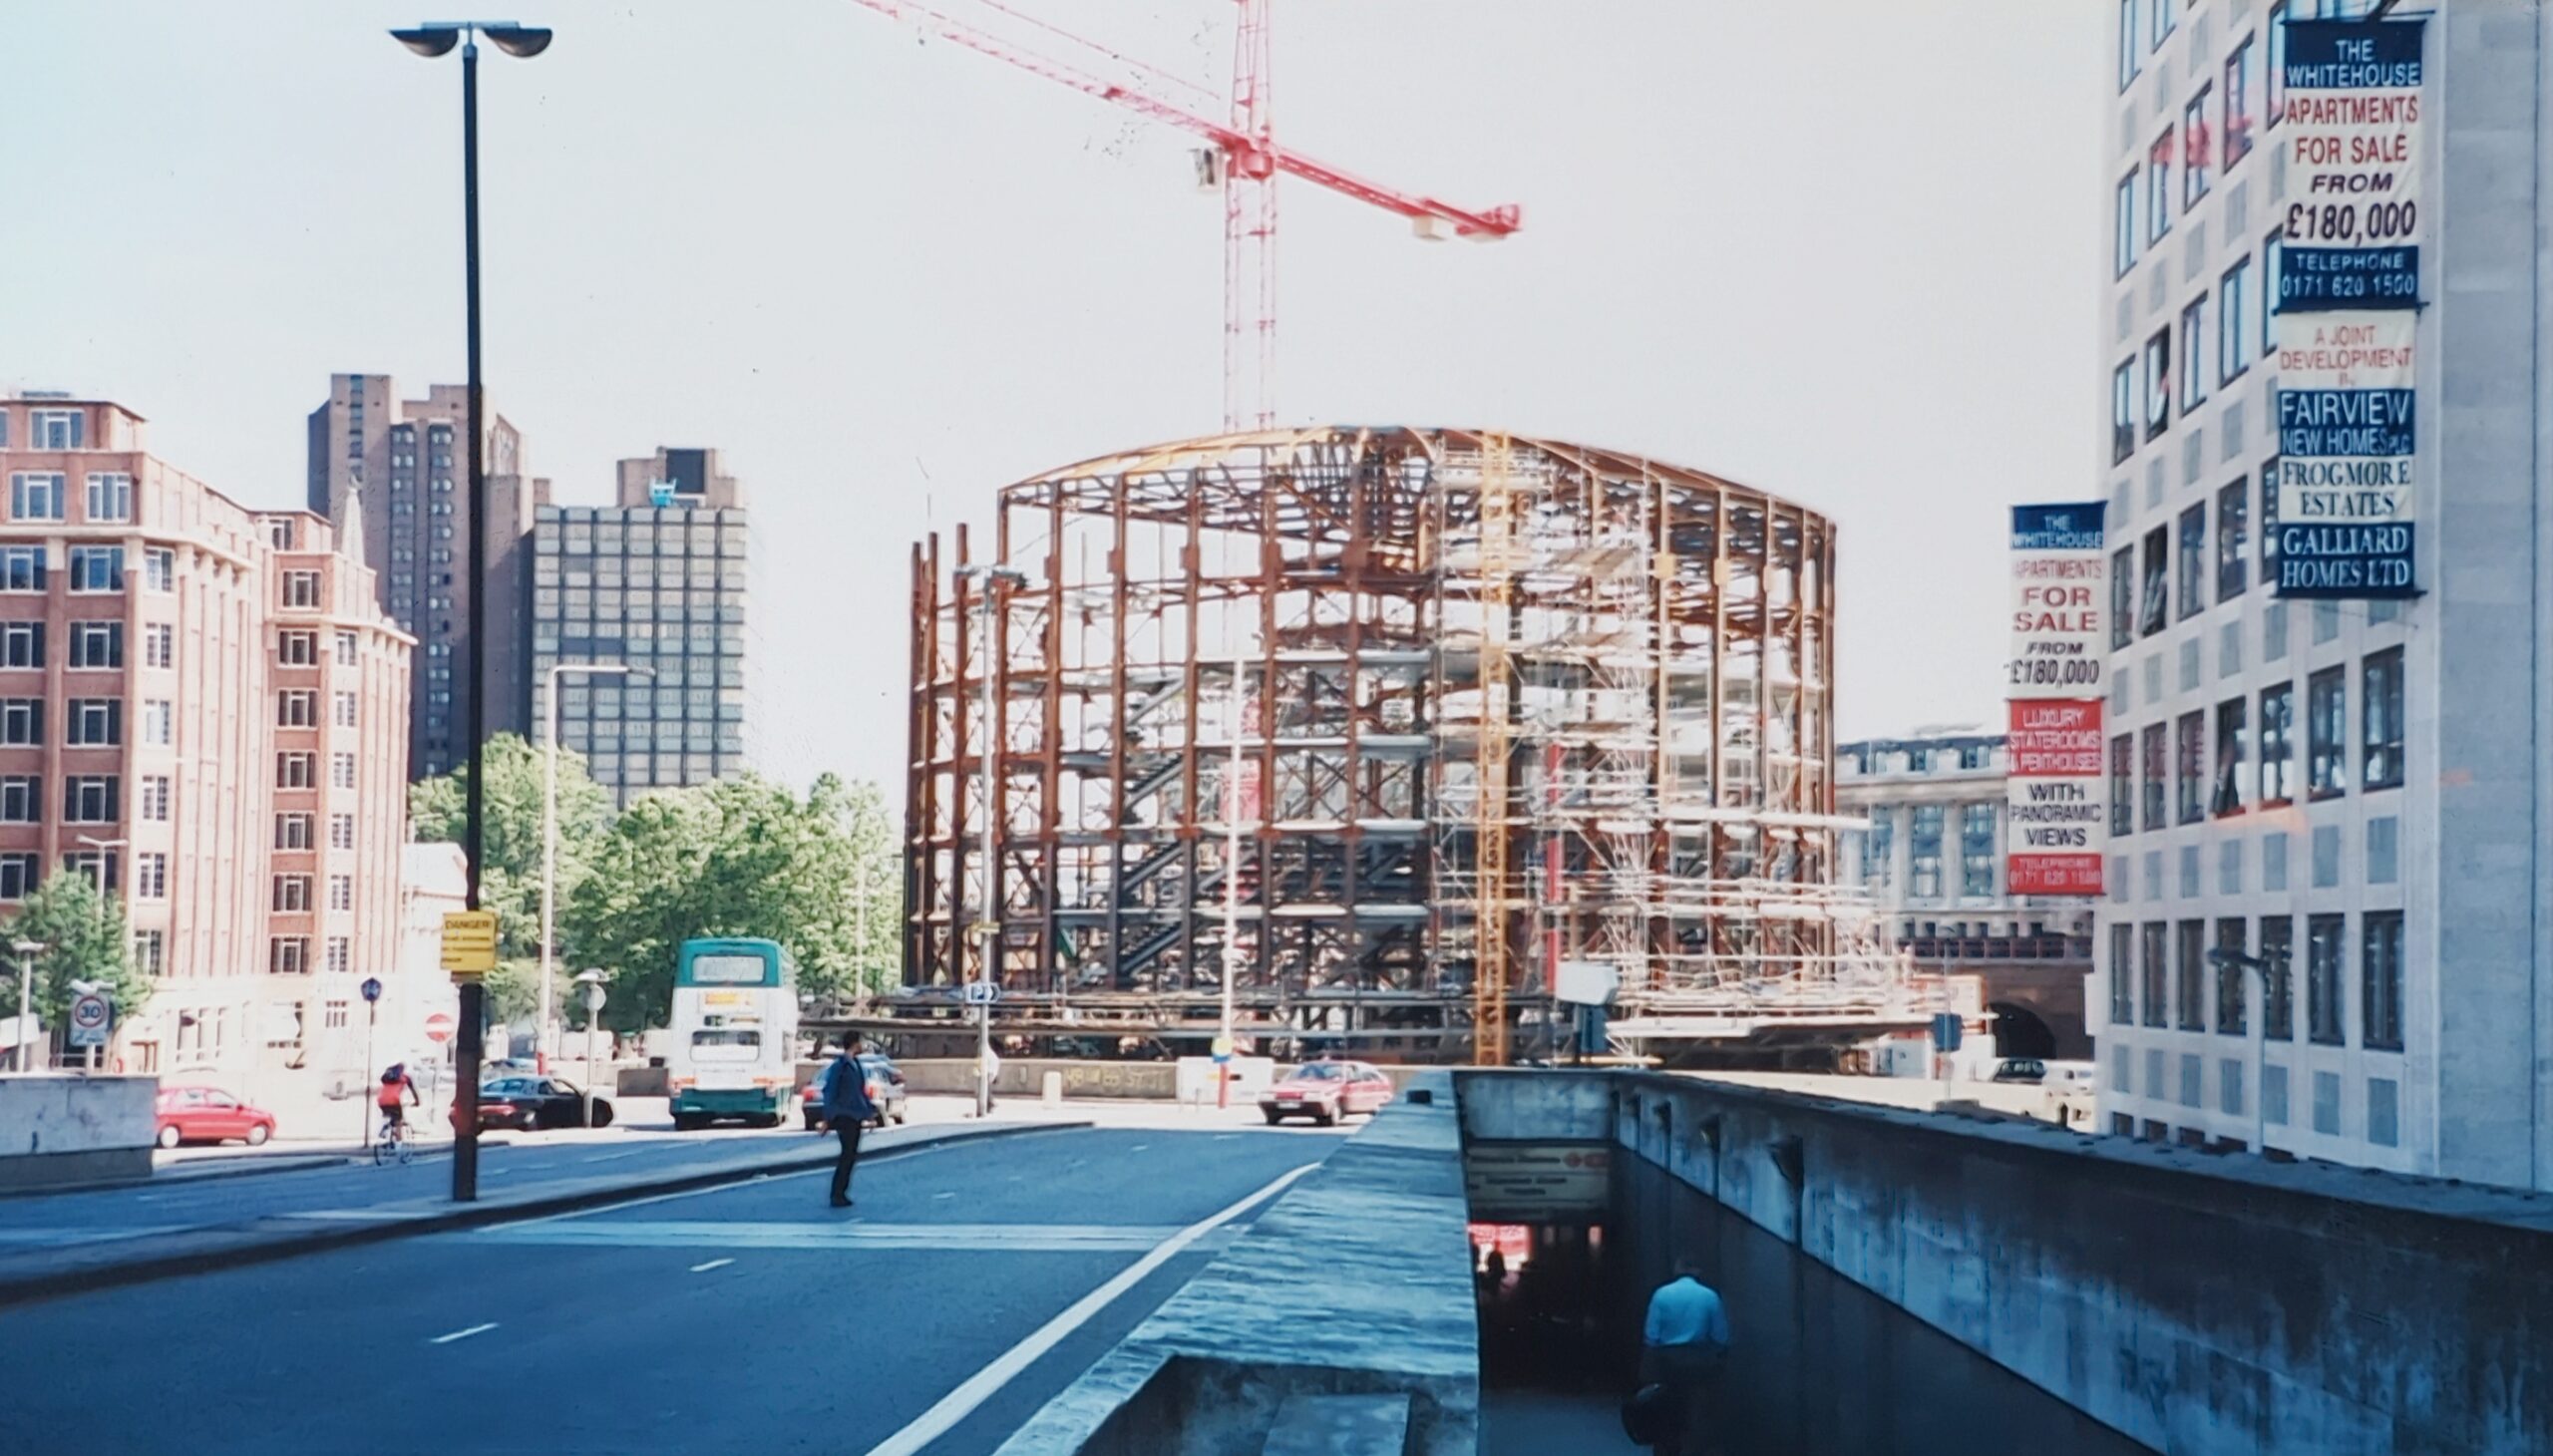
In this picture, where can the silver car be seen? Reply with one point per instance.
(886, 1088)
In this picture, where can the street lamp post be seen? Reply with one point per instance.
(550, 836)
(988, 922)
(2260, 1040)
(592, 982)
(27, 952)
(436, 38)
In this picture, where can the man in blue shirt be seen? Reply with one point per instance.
(848, 1108)
(1684, 1341)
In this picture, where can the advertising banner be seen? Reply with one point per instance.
(2054, 676)
(2352, 121)
(2347, 431)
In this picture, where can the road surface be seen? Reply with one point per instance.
(747, 1318)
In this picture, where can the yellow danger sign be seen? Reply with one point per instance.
(470, 943)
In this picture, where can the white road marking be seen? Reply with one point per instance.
(705, 1233)
(755, 1181)
(461, 1334)
(608, 1157)
(713, 1264)
(1139, 1147)
(950, 1192)
(953, 1407)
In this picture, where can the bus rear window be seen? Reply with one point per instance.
(726, 1044)
(729, 970)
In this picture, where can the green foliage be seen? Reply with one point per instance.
(741, 857)
(509, 883)
(84, 937)
(514, 991)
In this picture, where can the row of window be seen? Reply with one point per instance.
(292, 894)
(2253, 764)
(1980, 850)
(2242, 322)
(2144, 604)
(92, 569)
(51, 430)
(300, 648)
(2215, 133)
(2192, 994)
(301, 770)
(87, 722)
(87, 799)
(46, 495)
(290, 955)
(93, 644)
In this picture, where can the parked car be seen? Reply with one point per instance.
(210, 1115)
(886, 1088)
(1326, 1092)
(527, 1104)
(2020, 1070)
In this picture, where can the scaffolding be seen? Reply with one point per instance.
(1506, 703)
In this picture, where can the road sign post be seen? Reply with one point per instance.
(371, 1035)
(91, 1018)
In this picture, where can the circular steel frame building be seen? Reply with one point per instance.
(1402, 730)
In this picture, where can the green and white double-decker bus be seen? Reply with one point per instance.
(735, 1033)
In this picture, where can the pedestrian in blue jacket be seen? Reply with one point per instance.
(848, 1108)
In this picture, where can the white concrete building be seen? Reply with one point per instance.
(2361, 792)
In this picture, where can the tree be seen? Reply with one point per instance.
(740, 856)
(84, 939)
(877, 891)
(509, 881)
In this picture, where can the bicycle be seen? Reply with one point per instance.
(393, 1143)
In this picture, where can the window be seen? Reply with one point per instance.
(341, 770)
(151, 875)
(2278, 740)
(297, 709)
(349, 649)
(2380, 710)
(2242, 83)
(301, 589)
(2155, 606)
(151, 956)
(2322, 1013)
(1879, 852)
(110, 497)
(21, 644)
(2158, 384)
(347, 709)
(2193, 561)
(2193, 349)
(158, 722)
(2232, 1017)
(293, 830)
(151, 802)
(340, 958)
(2379, 991)
(2327, 733)
(2122, 975)
(296, 771)
(2198, 150)
(2123, 225)
(90, 799)
(2160, 11)
(159, 570)
(292, 894)
(2128, 47)
(2233, 751)
(2275, 74)
(2122, 786)
(341, 831)
(298, 650)
(341, 892)
(57, 430)
(2233, 538)
(97, 644)
(36, 495)
(20, 722)
(2159, 188)
(2189, 763)
(21, 569)
(288, 956)
(1976, 850)
(2233, 322)
(2189, 964)
(2150, 971)
(2123, 598)
(94, 723)
(333, 1015)
(2151, 774)
(2273, 248)
(21, 799)
(19, 874)
(1923, 851)
(159, 645)
(97, 569)
(2123, 412)
(98, 869)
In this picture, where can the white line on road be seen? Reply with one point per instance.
(460, 1334)
(713, 1264)
(608, 1157)
(958, 1404)
(946, 1193)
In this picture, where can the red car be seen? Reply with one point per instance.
(210, 1115)
(1326, 1092)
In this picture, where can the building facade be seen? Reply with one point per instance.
(406, 461)
(1931, 857)
(661, 581)
(2353, 792)
(199, 706)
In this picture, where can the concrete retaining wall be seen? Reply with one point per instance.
(2200, 1303)
(55, 1130)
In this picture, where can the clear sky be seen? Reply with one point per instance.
(1847, 251)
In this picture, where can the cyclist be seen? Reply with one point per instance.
(398, 1089)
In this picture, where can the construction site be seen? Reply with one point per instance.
(1384, 732)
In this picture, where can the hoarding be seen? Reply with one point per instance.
(2353, 124)
(2053, 798)
(2059, 575)
(2054, 675)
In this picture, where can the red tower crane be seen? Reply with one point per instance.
(1243, 157)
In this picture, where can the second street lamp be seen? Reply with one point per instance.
(436, 38)
(550, 839)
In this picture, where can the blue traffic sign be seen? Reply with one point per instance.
(372, 988)
(1945, 1032)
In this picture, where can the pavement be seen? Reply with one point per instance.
(971, 1281)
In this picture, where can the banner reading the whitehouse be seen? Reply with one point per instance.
(2347, 288)
(2055, 678)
